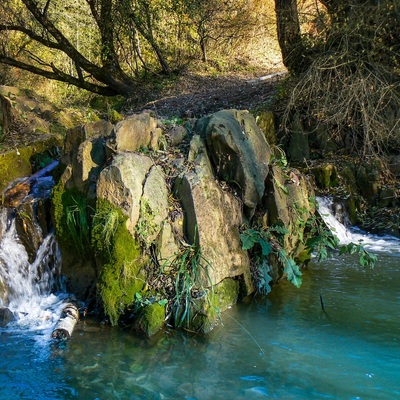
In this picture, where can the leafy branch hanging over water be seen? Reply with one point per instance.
(266, 242)
(321, 241)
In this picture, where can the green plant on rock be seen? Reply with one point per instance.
(263, 243)
(173, 121)
(142, 300)
(72, 218)
(146, 226)
(122, 274)
(190, 271)
(77, 222)
(105, 224)
(323, 242)
(278, 157)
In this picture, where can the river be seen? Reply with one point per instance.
(285, 346)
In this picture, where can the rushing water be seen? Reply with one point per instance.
(285, 347)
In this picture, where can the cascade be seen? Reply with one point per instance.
(328, 209)
(30, 280)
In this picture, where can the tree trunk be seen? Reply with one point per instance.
(289, 37)
(6, 117)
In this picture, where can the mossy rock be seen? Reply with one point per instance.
(122, 274)
(209, 308)
(326, 176)
(266, 121)
(17, 163)
(225, 294)
(150, 320)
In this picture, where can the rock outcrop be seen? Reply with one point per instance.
(239, 152)
(164, 227)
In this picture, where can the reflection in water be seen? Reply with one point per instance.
(349, 352)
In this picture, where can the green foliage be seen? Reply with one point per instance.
(173, 121)
(190, 270)
(366, 259)
(71, 218)
(106, 221)
(143, 301)
(291, 269)
(77, 220)
(108, 47)
(278, 157)
(264, 242)
(323, 242)
(121, 276)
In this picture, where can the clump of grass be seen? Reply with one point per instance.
(105, 224)
(77, 222)
(190, 270)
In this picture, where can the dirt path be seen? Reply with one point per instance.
(195, 96)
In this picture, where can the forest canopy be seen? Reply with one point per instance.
(107, 46)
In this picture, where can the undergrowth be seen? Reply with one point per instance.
(318, 239)
(190, 270)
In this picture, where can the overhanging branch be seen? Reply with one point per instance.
(58, 75)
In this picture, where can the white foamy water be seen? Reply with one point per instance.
(346, 235)
(27, 288)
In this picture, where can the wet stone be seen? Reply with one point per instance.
(6, 316)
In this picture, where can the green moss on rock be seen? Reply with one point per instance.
(121, 275)
(151, 319)
(71, 219)
(208, 309)
(326, 176)
(225, 294)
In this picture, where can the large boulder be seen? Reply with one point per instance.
(139, 131)
(122, 182)
(212, 220)
(77, 135)
(239, 152)
(84, 149)
(368, 176)
(299, 147)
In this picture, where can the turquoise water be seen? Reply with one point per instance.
(283, 347)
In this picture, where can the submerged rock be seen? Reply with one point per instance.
(6, 316)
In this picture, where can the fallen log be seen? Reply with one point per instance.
(66, 324)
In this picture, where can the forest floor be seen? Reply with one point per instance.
(196, 95)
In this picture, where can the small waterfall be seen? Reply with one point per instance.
(327, 208)
(30, 281)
